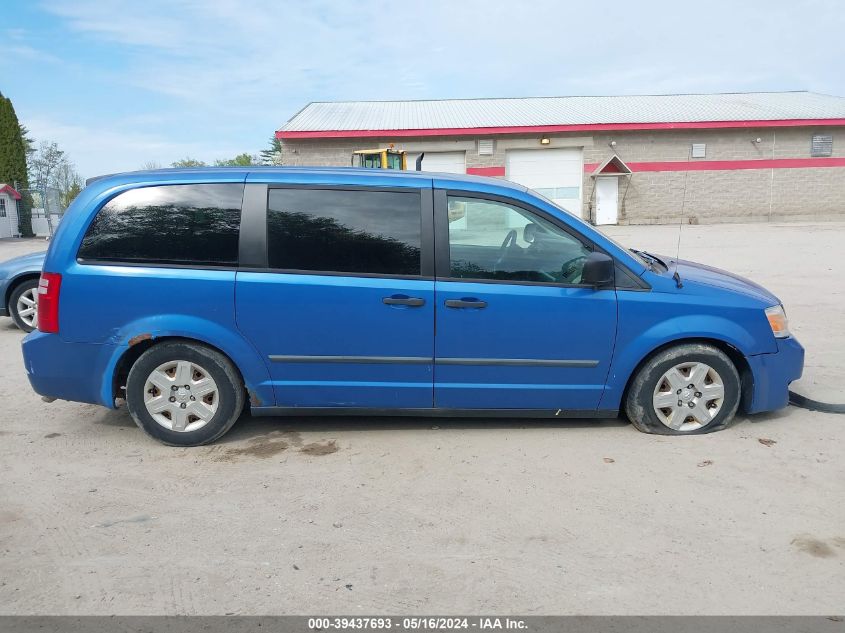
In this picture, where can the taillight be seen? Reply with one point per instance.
(48, 302)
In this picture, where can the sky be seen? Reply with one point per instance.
(120, 83)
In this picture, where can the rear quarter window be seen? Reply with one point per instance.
(168, 224)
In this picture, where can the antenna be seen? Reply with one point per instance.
(683, 206)
(676, 276)
(680, 230)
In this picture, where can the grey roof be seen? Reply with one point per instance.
(541, 111)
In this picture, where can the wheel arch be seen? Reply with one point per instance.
(136, 348)
(736, 356)
(15, 282)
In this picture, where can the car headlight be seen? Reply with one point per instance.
(778, 321)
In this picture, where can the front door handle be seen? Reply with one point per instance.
(466, 302)
(402, 300)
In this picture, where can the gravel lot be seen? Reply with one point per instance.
(374, 516)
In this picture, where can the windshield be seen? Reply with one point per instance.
(641, 260)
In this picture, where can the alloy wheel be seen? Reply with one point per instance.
(27, 307)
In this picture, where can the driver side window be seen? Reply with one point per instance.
(494, 240)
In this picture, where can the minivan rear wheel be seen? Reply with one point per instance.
(684, 390)
(184, 394)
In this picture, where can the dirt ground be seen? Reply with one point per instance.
(396, 516)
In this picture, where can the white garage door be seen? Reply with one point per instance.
(446, 162)
(555, 173)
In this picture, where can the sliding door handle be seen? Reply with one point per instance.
(402, 300)
(466, 302)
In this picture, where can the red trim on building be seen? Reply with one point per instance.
(486, 171)
(11, 191)
(731, 165)
(550, 129)
(610, 168)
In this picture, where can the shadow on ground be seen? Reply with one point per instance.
(248, 427)
(254, 430)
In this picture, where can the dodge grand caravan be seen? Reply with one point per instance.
(344, 291)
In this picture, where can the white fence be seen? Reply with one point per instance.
(40, 225)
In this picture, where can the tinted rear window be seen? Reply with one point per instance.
(376, 232)
(169, 224)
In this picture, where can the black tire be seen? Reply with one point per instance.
(230, 392)
(639, 406)
(22, 287)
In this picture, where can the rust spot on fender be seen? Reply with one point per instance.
(146, 336)
(254, 400)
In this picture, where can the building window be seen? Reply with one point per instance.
(821, 145)
(485, 147)
(2, 207)
(559, 193)
(699, 150)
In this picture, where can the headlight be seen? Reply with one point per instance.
(778, 321)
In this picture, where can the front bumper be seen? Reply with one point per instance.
(68, 371)
(772, 373)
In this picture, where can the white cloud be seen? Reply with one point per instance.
(225, 69)
(105, 149)
(22, 52)
(225, 53)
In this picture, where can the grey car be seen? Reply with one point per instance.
(19, 289)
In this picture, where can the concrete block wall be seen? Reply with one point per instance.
(743, 195)
(653, 197)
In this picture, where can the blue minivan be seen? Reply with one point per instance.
(294, 291)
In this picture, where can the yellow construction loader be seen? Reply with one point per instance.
(383, 158)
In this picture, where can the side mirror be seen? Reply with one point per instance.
(598, 270)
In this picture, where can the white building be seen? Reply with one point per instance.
(9, 211)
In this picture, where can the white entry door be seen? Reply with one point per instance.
(554, 173)
(444, 162)
(6, 216)
(607, 200)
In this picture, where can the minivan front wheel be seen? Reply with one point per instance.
(184, 394)
(23, 305)
(687, 389)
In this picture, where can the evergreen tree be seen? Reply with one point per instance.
(28, 142)
(273, 154)
(13, 160)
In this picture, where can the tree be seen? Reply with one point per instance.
(241, 160)
(28, 141)
(55, 178)
(273, 154)
(188, 162)
(44, 163)
(68, 182)
(68, 196)
(151, 164)
(13, 168)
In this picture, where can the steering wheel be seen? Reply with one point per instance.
(507, 244)
(510, 240)
(570, 269)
